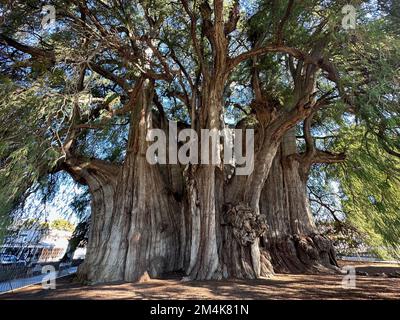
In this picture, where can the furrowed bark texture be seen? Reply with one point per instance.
(139, 226)
(293, 240)
(202, 192)
(225, 229)
(136, 223)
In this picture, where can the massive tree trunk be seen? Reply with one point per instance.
(204, 260)
(138, 226)
(225, 225)
(293, 240)
(202, 190)
(136, 222)
(101, 178)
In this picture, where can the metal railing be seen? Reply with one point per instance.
(18, 275)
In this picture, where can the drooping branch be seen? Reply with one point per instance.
(49, 54)
(318, 199)
(383, 142)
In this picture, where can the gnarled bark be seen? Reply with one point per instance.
(215, 251)
(136, 222)
(293, 241)
(101, 178)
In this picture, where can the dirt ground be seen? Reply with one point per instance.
(281, 286)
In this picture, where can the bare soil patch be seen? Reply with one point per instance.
(281, 286)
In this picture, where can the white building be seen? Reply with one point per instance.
(37, 245)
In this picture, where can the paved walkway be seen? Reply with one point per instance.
(9, 286)
(368, 259)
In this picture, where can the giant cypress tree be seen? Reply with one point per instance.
(81, 97)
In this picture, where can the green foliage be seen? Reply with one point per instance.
(370, 182)
(368, 132)
(61, 224)
(25, 152)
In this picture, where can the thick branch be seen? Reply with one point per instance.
(33, 51)
(310, 144)
(196, 44)
(109, 75)
(328, 157)
(85, 170)
(327, 66)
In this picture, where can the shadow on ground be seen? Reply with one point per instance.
(279, 287)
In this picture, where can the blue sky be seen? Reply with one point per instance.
(57, 208)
